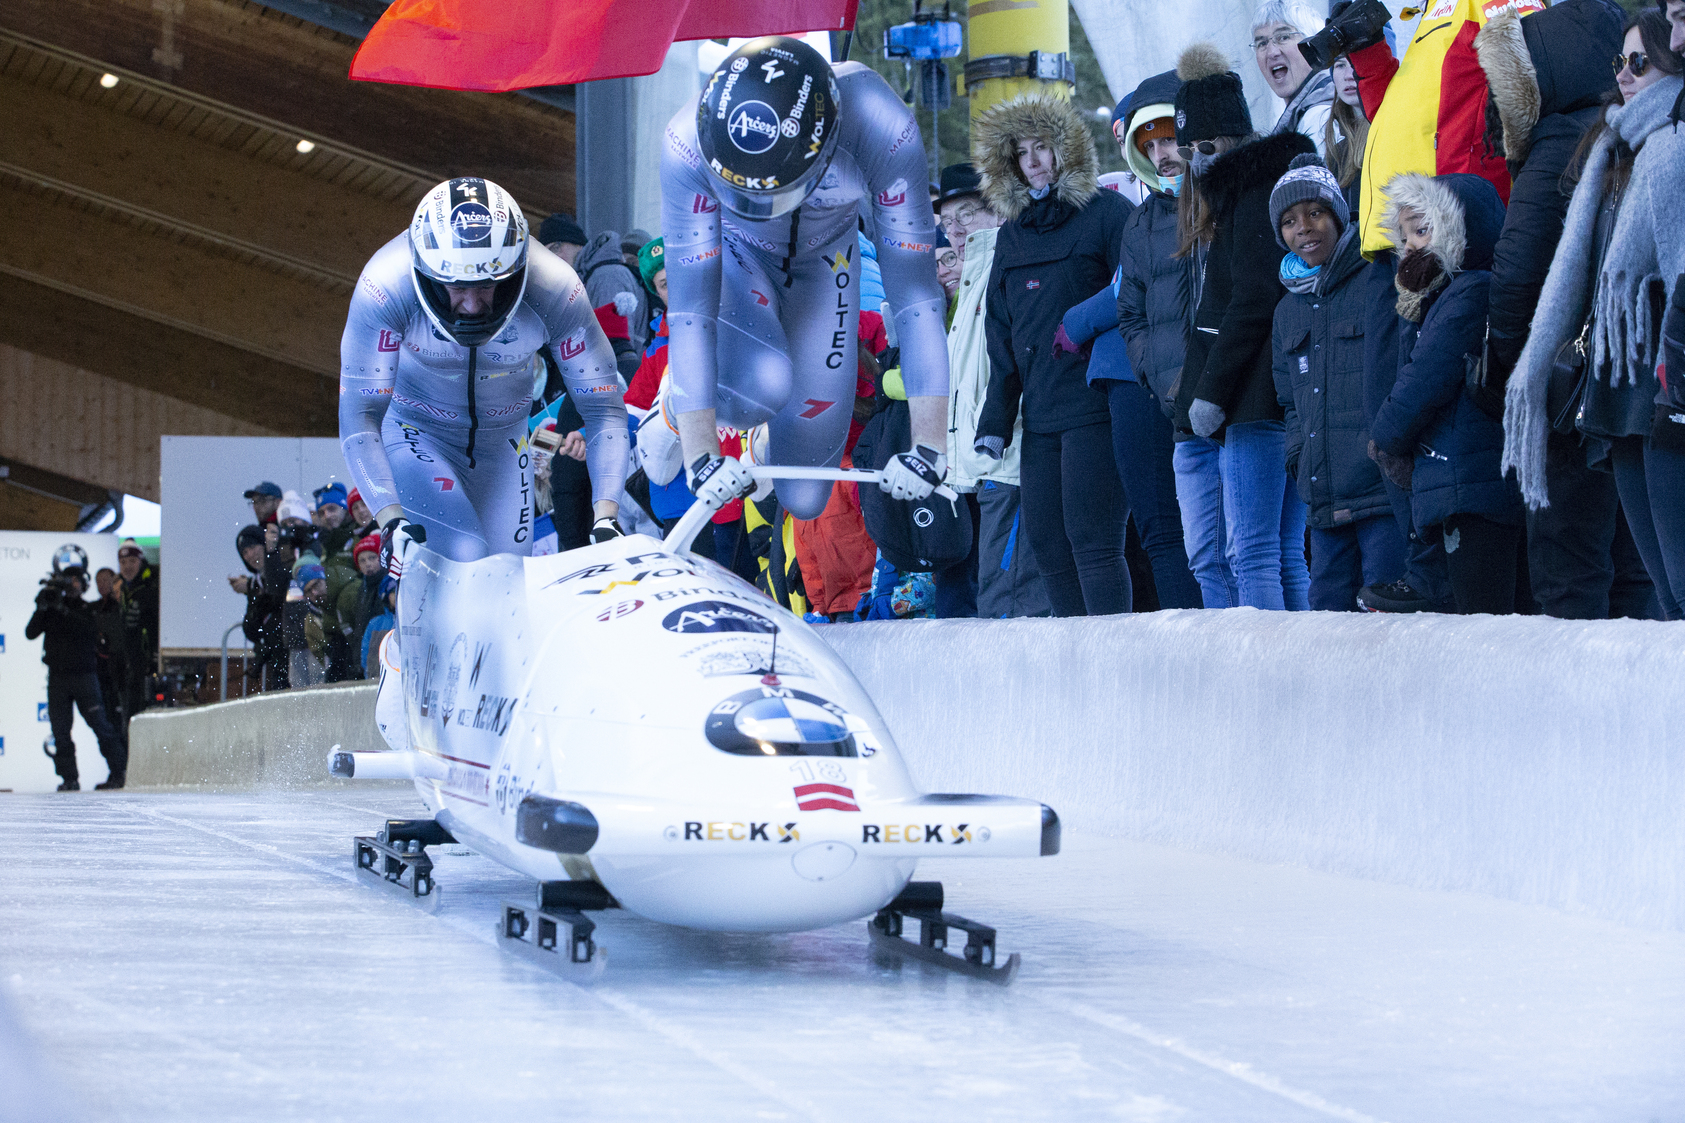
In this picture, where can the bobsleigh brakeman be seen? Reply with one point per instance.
(637, 727)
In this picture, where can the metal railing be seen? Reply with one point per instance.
(222, 680)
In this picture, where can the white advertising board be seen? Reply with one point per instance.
(26, 557)
(202, 488)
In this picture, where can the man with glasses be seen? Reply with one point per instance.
(1278, 27)
(1006, 581)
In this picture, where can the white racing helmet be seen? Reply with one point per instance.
(469, 232)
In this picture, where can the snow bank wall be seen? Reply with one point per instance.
(276, 740)
(1520, 757)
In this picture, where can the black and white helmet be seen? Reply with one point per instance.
(767, 124)
(468, 232)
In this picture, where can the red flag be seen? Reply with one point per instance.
(514, 44)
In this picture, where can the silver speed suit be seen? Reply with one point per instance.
(762, 313)
(457, 462)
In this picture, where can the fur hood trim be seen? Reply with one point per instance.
(994, 140)
(1257, 163)
(1447, 237)
(1512, 78)
(1201, 60)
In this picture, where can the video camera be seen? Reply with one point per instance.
(70, 569)
(1353, 27)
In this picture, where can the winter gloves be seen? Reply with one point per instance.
(1062, 344)
(1206, 417)
(1398, 469)
(603, 530)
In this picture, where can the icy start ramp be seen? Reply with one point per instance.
(1524, 758)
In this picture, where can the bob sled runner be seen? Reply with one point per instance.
(637, 727)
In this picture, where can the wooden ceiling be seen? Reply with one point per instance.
(167, 232)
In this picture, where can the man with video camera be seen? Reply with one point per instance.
(70, 651)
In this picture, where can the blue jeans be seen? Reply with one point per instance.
(1199, 493)
(1343, 560)
(1266, 518)
(1143, 444)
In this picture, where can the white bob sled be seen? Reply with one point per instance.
(637, 727)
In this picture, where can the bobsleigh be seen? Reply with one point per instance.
(634, 726)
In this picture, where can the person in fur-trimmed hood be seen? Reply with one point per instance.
(1227, 390)
(1429, 437)
(1059, 246)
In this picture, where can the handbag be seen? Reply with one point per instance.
(1566, 390)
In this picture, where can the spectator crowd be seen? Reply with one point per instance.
(1404, 348)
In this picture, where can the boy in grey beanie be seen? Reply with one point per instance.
(1318, 368)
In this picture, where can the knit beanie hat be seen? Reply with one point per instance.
(308, 573)
(369, 543)
(1211, 102)
(1307, 178)
(561, 228)
(652, 259)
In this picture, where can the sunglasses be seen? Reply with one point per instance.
(1636, 62)
(1203, 147)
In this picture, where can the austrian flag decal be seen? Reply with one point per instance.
(819, 797)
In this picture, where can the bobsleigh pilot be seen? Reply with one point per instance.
(435, 382)
(762, 181)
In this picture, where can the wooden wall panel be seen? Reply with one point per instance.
(93, 428)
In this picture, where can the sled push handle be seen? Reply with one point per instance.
(690, 524)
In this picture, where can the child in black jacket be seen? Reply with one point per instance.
(1318, 369)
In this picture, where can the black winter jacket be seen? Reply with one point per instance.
(71, 646)
(1052, 256)
(1318, 372)
(1153, 293)
(1550, 68)
(1229, 355)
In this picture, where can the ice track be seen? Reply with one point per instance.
(190, 957)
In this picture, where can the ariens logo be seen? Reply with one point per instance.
(471, 222)
(753, 128)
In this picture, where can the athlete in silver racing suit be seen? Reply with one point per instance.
(436, 375)
(762, 181)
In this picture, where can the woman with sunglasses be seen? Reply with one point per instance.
(1227, 389)
(1620, 247)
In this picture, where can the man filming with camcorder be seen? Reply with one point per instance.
(71, 652)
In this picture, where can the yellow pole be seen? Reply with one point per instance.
(1002, 29)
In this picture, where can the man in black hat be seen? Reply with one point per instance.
(562, 236)
(960, 209)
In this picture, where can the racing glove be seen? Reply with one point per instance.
(605, 529)
(397, 538)
(913, 475)
(717, 480)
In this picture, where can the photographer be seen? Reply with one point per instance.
(71, 652)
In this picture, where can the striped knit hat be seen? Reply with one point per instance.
(1307, 178)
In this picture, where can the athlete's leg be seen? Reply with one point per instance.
(430, 487)
(500, 488)
(754, 359)
(820, 314)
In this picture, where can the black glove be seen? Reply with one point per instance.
(1667, 431)
(605, 529)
